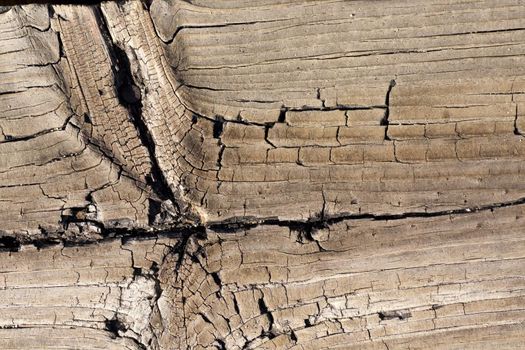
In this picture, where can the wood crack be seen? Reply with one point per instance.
(308, 226)
(202, 174)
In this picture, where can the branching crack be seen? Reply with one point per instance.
(318, 222)
(307, 228)
(127, 89)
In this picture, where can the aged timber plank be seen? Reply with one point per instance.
(329, 108)
(98, 296)
(70, 159)
(270, 174)
(396, 110)
(443, 282)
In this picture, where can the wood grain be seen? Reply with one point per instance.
(352, 107)
(268, 174)
(444, 282)
(99, 296)
(67, 144)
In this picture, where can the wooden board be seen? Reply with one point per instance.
(262, 174)
(444, 282)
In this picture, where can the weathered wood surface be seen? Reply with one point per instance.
(447, 282)
(262, 174)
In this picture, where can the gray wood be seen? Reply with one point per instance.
(264, 174)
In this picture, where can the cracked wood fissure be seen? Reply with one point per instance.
(273, 174)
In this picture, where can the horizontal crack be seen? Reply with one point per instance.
(239, 224)
(215, 25)
(231, 225)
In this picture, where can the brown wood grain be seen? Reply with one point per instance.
(269, 174)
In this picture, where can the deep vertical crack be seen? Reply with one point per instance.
(127, 89)
(385, 121)
(516, 127)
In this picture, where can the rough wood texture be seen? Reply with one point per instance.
(352, 107)
(265, 174)
(102, 296)
(444, 282)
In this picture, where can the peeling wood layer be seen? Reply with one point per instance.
(101, 295)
